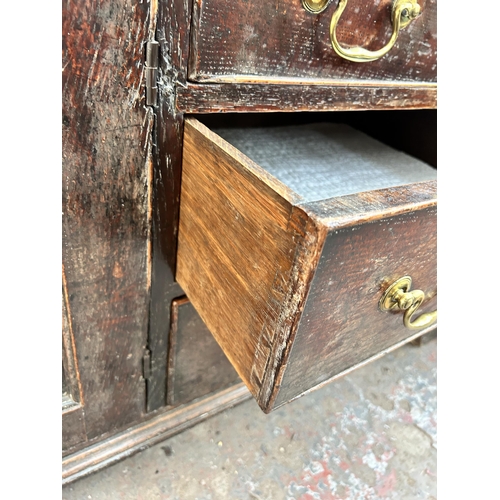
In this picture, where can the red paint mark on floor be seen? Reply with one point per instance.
(406, 417)
(344, 465)
(388, 484)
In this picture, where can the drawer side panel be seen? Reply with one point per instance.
(235, 250)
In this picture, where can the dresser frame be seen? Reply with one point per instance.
(121, 184)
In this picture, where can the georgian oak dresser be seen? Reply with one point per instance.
(249, 206)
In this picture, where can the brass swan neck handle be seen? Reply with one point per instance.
(399, 297)
(403, 12)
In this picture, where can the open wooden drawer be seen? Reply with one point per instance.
(288, 257)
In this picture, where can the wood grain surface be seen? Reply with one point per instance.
(341, 325)
(173, 36)
(235, 246)
(71, 373)
(275, 97)
(106, 145)
(73, 417)
(244, 40)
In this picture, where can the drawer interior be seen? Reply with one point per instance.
(325, 160)
(413, 132)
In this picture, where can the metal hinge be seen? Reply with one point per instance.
(151, 72)
(146, 364)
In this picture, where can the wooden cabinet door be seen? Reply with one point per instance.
(107, 146)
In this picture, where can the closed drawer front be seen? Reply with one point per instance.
(287, 264)
(257, 40)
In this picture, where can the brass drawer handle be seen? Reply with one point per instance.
(403, 12)
(399, 297)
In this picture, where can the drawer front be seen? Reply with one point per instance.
(291, 289)
(342, 324)
(255, 40)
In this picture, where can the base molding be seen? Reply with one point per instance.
(148, 433)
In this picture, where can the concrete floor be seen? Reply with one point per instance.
(369, 435)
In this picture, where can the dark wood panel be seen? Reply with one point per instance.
(71, 374)
(247, 40)
(289, 376)
(73, 416)
(197, 365)
(106, 147)
(341, 325)
(217, 98)
(173, 36)
(73, 427)
(156, 428)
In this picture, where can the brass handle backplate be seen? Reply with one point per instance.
(399, 297)
(403, 12)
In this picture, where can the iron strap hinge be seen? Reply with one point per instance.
(151, 72)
